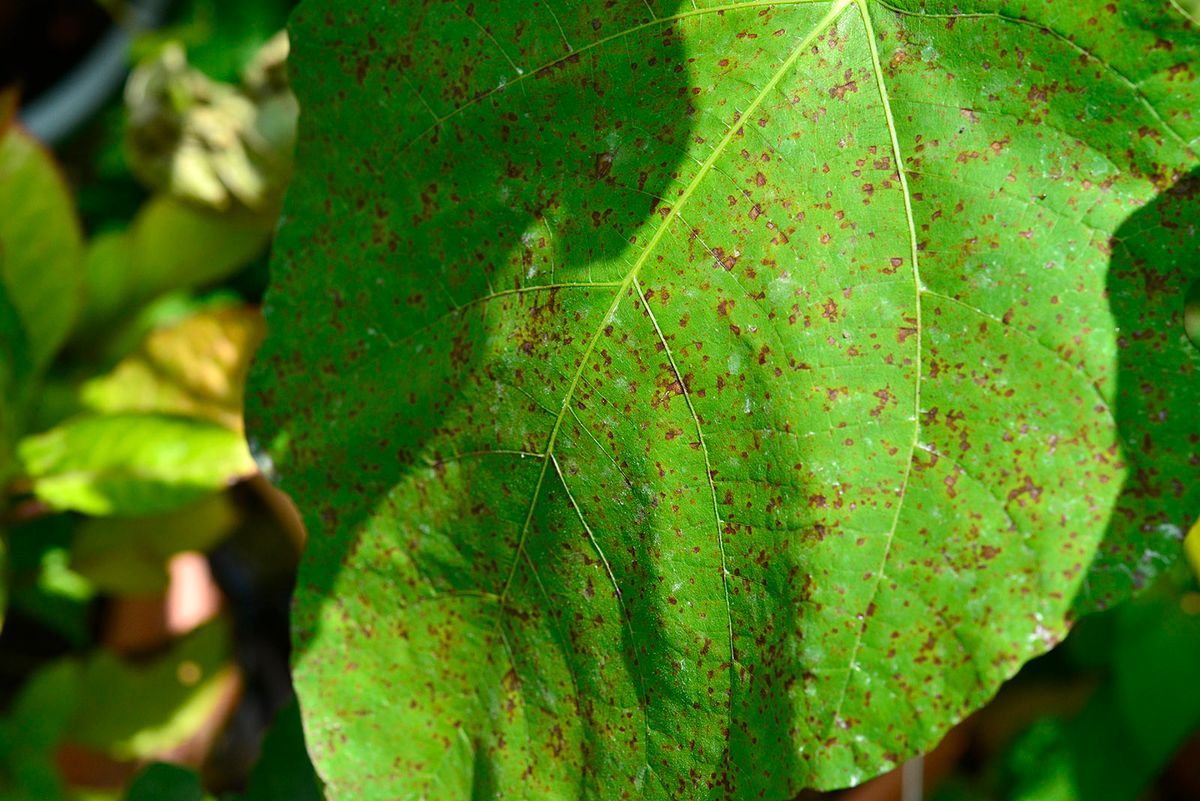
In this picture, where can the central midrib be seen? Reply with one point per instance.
(630, 280)
(918, 290)
(632, 274)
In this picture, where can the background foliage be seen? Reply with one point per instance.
(688, 401)
(147, 568)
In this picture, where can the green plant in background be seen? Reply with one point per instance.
(717, 400)
(209, 142)
(219, 156)
(140, 439)
(709, 400)
(41, 258)
(124, 358)
(115, 459)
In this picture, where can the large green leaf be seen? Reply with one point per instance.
(711, 400)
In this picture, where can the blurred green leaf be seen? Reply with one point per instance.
(212, 143)
(106, 193)
(136, 711)
(131, 332)
(41, 244)
(169, 246)
(41, 584)
(1154, 692)
(1041, 765)
(196, 368)
(283, 770)
(29, 733)
(15, 369)
(1191, 548)
(128, 556)
(57, 577)
(958, 788)
(163, 782)
(41, 274)
(132, 464)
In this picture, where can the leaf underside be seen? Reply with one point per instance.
(712, 401)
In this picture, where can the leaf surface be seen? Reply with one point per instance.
(717, 400)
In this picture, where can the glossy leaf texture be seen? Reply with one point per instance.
(713, 400)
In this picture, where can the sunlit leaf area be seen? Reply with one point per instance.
(588, 400)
